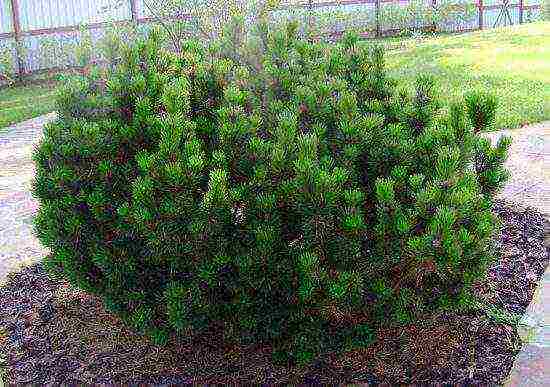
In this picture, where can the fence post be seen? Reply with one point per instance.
(377, 13)
(520, 11)
(480, 10)
(16, 21)
(310, 18)
(434, 9)
(134, 10)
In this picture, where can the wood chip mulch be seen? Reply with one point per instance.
(51, 333)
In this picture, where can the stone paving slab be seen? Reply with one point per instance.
(529, 163)
(18, 246)
(532, 365)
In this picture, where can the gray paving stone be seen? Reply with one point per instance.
(18, 246)
(532, 365)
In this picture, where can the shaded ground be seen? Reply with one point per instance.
(55, 334)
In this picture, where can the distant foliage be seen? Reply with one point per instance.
(397, 18)
(7, 65)
(8, 62)
(297, 195)
(545, 10)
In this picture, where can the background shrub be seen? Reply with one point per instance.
(300, 197)
(545, 9)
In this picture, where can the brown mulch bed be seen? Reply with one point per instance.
(51, 333)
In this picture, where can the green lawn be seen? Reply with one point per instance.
(19, 103)
(512, 62)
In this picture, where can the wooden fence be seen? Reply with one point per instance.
(24, 21)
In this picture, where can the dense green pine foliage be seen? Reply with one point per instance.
(303, 205)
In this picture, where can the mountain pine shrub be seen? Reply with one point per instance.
(303, 203)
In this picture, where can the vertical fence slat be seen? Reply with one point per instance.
(480, 10)
(134, 10)
(310, 17)
(377, 13)
(16, 21)
(434, 10)
(520, 11)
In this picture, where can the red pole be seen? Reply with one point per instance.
(480, 7)
(17, 36)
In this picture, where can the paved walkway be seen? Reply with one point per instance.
(17, 245)
(529, 163)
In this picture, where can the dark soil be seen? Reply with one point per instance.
(51, 333)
